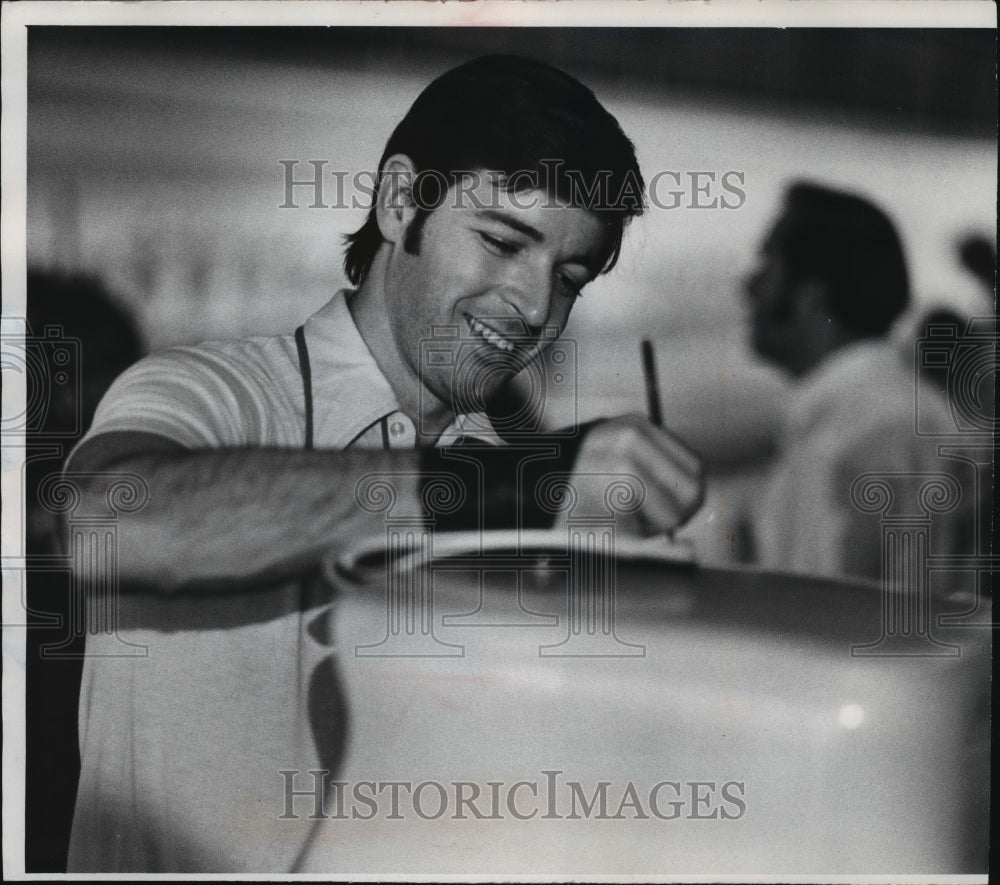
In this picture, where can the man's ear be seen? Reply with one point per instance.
(395, 206)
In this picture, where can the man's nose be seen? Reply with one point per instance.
(531, 295)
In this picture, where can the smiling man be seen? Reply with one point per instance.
(502, 193)
(501, 269)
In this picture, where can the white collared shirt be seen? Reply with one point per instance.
(197, 701)
(853, 415)
(249, 392)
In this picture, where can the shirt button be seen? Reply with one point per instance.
(397, 428)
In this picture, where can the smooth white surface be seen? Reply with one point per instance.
(850, 765)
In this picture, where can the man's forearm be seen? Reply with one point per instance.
(246, 515)
(250, 516)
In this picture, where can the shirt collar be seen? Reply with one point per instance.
(349, 391)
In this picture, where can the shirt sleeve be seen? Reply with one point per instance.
(198, 397)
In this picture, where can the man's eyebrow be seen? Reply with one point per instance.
(506, 218)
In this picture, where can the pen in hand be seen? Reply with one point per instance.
(652, 394)
(652, 386)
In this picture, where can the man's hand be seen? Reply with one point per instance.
(666, 474)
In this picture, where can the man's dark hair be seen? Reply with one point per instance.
(522, 119)
(850, 245)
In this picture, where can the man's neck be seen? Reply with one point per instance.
(429, 415)
(818, 343)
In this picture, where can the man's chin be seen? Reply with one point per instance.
(477, 383)
(470, 402)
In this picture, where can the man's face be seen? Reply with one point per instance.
(771, 297)
(490, 286)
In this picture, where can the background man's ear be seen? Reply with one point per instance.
(395, 207)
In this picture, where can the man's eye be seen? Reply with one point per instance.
(573, 287)
(503, 247)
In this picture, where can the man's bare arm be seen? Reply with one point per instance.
(249, 516)
(236, 515)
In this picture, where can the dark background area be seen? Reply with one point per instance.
(942, 80)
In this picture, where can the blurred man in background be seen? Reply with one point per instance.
(831, 282)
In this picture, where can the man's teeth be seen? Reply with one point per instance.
(491, 336)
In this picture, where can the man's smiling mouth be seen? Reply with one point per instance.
(490, 335)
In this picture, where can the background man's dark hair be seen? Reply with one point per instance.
(850, 245)
(508, 114)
